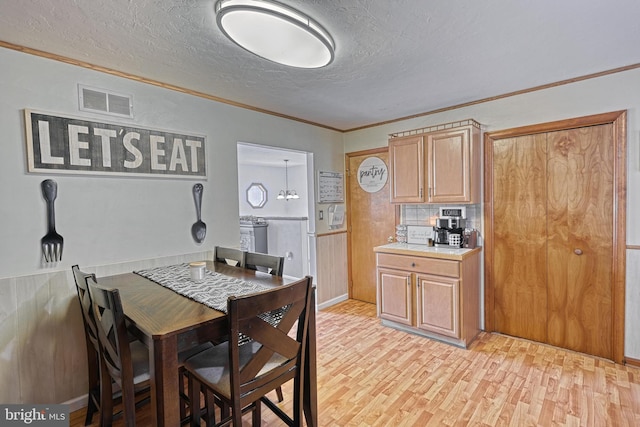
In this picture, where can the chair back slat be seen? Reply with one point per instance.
(271, 264)
(230, 256)
(271, 337)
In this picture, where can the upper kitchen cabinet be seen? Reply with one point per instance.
(453, 165)
(406, 160)
(443, 159)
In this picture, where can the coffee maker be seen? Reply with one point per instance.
(449, 229)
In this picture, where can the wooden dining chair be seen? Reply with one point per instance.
(119, 364)
(271, 264)
(138, 350)
(242, 375)
(230, 256)
(91, 339)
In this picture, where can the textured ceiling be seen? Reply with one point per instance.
(393, 58)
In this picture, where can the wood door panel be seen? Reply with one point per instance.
(519, 236)
(406, 167)
(449, 166)
(580, 210)
(438, 304)
(394, 291)
(371, 222)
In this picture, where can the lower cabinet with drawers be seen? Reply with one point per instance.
(430, 292)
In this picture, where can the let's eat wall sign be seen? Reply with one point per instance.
(62, 144)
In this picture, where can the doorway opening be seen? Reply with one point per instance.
(268, 224)
(371, 219)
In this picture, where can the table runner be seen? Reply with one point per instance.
(213, 291)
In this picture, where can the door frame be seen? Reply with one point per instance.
(347, 174)
(619, 121)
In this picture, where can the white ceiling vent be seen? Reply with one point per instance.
(105, 102)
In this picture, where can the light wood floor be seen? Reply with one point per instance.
(370, 375)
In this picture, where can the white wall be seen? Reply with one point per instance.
(108, 219)
(605, 94)
(273, 180)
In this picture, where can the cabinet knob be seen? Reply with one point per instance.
(413, 264)
(390, 239)
(577, 251)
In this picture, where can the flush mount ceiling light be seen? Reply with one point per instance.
(275, 32)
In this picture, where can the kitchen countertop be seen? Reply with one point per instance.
(426, 251)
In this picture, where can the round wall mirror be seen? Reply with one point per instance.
(256, 195)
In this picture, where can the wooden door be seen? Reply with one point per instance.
(580, 239)
(520, 236)
(555, 225)
(371, 220)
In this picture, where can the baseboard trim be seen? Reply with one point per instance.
(333, 301)
(77, 403)
(414, 331)
(632, 362)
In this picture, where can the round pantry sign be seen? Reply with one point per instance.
(372, 174)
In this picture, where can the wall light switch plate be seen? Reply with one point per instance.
(321, 216)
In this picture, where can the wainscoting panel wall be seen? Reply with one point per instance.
(42, 346)
(632, 314)
(332, 280)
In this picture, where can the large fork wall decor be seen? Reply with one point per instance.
(52, 241)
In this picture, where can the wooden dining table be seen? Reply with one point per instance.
(169, 323)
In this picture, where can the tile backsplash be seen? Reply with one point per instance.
(427, 214)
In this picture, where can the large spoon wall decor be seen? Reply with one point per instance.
(199, 228)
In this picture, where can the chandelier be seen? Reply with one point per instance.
(287, 194)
